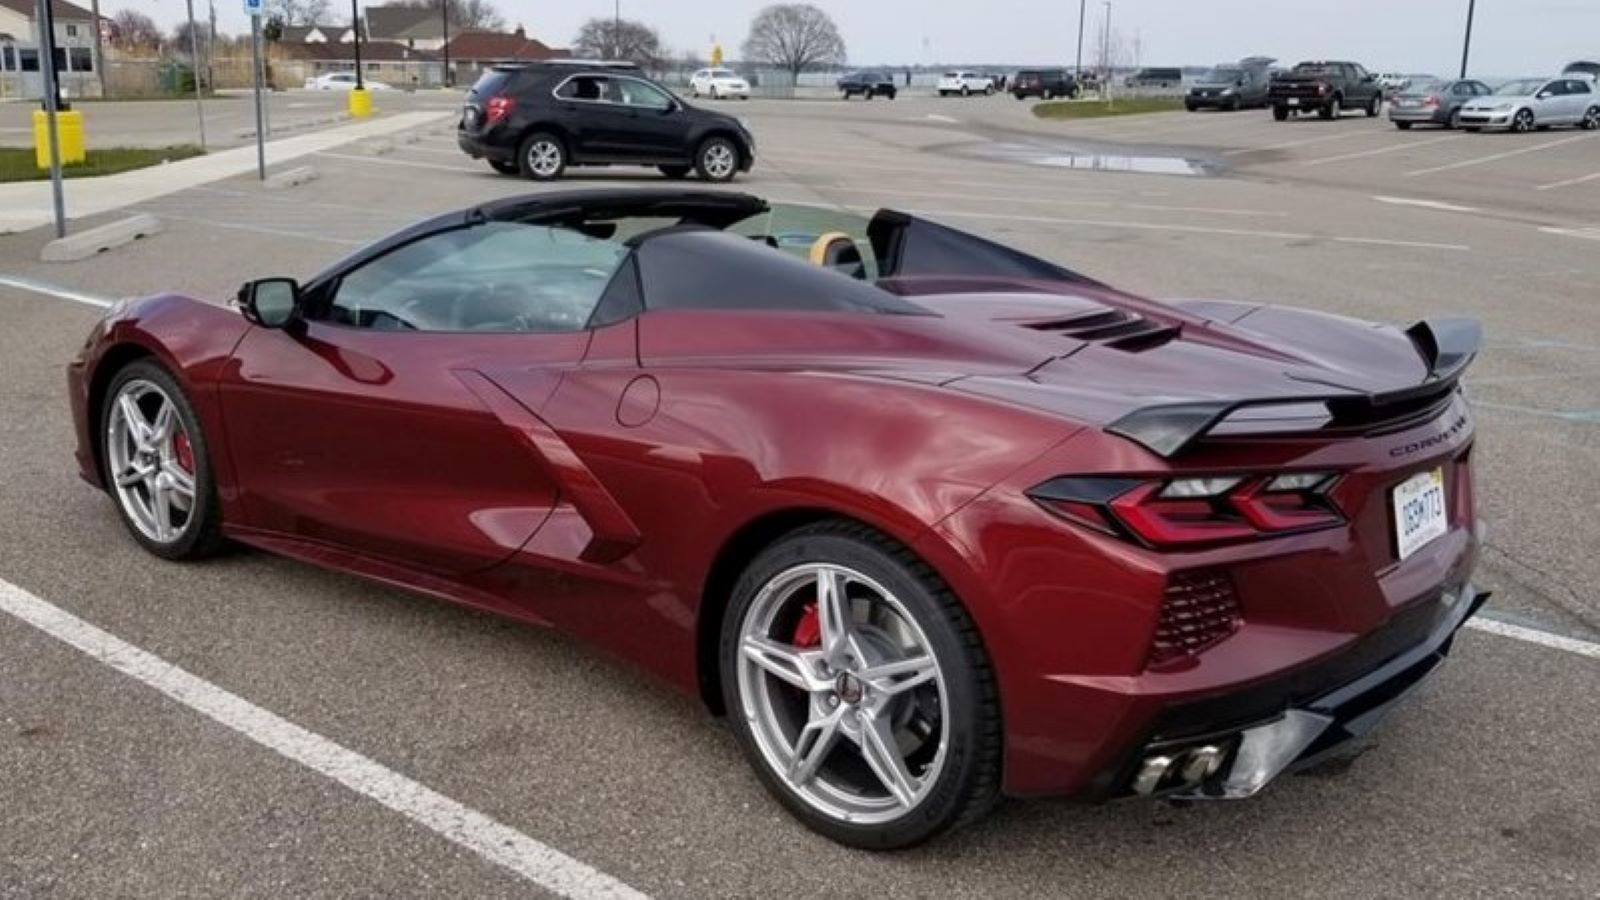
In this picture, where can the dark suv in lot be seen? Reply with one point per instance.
(867, 84)
(536, 120)
(1327, 87)
(1046, 83)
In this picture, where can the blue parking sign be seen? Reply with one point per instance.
(254, 7)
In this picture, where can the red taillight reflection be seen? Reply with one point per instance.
(497, 109)
(1167, 522)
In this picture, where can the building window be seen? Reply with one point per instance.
(373, 67)
(72, 31)
(82, 59)
(29, 60)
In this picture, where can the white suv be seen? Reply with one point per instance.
(965, 83)
(715, 83)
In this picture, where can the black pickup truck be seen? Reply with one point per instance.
(1329, 88)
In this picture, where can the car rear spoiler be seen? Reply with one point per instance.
(1448, 346)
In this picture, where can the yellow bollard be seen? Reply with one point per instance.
(69, 131)
(360, 104)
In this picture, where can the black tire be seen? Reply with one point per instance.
(892, 93)
(1189, 106)
(867, 94)
(708, 151)
(1333, 109)
(505, 166)
(1454, 121)
(1472, 129)
(1280, 113)
(1374, 106)
(969, 784)
(1403, 126)
(966, 91)
(676, 172)
(201, 536)
(1523, 121)
(1591, 119)
(532, 150)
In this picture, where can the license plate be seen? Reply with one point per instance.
(1419, 512)
(1294, 101)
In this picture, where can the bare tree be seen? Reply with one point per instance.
(464, 14)
(185, 36)
(635, 42)
(793, 37)
(131, 29)
(299, 12)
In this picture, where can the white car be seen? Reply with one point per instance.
(1529, 103)
(342, 81)
(965, 83)
(717, 83)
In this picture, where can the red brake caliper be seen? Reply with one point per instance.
(808, 631)
(183, 451)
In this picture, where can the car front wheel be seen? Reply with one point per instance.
(717, 159)
(1523, 121)
(1591, 118)
(158, 466)
(859, 690)
(543, 157)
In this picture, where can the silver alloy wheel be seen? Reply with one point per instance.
(1591, 118)
(544, 157)
(853, 723)
(719, 160)
(151, 461)
(1523, 121)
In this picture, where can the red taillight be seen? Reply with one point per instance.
(1194, 511)
(497, 109)
(1197, 610)
(1430, 101)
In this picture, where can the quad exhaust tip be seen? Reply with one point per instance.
(1178, 770)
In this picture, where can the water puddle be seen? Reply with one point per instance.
(1097, 160)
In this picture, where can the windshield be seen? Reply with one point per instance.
(1224, 74)
(723, 73)
(1519, 88)
(1433, 86)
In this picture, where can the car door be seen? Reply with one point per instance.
(1580, 96)
(370, 425)
(599, 124)
(656, 127)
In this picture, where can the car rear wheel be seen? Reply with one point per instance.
(1333, 109)
(1403, 126)
(1591, 119)
(1455, 120)
(543, 157)
(859, 690)
(966, 91)
(1280, 113)
(1374, 106)
(1523, 121)
(717, 159)
(157, 464)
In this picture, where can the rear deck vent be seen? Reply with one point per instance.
(1114, 327)
(1199, 609)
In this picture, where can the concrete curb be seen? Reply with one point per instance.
(95, 241)
(290, 178)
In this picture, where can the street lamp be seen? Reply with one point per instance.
(444, 14)
(1105, 51)
(1466, 43)
(1081, 5)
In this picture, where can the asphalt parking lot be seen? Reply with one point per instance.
(1478, 786)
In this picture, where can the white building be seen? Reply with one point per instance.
(19, 49)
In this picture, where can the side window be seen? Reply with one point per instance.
(495, 277)
(593, 88)
(1554, 88)
(633, 92)
(1577, 86)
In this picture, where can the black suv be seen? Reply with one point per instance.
(1046, 83)
(867, 84)
(537, 119)
(1330, 88)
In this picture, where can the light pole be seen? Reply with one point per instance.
(355, 23)
(1466, 43)
(616, 29)
(194, 62)
(1081, 5)
(444, 14)
(1105, 51)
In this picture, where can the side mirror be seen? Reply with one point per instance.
(1544, 95)
(270, 302)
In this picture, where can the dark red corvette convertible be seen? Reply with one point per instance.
(928, 518)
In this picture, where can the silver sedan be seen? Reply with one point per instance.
(1433, 102)
(1530, 103)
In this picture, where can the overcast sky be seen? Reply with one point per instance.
(1512, 37)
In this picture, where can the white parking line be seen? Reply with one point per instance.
(1363, 154)
(52, 290)
(1305, 143)
(500, 844)
(1568, 183)
(1493, 157)
(1534, 636)
(1425, 204)
(398, 162)
(1061, 201)
(1592, 234)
